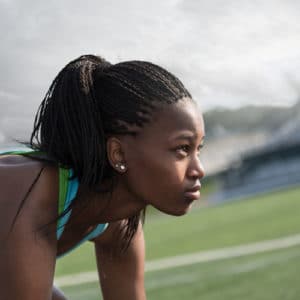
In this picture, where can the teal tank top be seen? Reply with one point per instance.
(68, 188)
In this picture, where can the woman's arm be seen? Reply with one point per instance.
(121, 274)
(27, 251)
(27, 262)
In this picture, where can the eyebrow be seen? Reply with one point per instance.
(187, 136)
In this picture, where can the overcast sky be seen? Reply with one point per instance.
(228, 53)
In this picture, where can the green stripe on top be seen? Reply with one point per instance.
(68, 185)
(21, 152)
(63, 189)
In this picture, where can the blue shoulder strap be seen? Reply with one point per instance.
(68, 188)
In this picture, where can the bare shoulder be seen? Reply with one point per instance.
(27, 255)
(15, 168)
(20, 178)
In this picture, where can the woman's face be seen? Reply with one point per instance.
(163, 163)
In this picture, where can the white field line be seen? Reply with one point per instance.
(189, 259)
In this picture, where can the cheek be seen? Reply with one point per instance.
(156, 178)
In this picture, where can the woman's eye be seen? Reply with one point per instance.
(183, 149)
(186, 149)
(200, 147)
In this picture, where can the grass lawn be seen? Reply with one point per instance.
(265, 217)
(272, 275)
(269, 276)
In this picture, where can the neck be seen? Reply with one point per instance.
(103, 207)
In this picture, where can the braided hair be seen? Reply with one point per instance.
(91, 99)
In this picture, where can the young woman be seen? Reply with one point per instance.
(108, 140)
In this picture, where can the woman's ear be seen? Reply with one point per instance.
(115, 154)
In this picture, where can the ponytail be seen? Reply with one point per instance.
(68, 126)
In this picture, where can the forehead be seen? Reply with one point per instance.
(181, 117)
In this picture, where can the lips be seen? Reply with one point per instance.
(193, 193)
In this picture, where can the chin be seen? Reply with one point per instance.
(174, 208)
(178, 212)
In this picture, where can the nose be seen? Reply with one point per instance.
(196, 169)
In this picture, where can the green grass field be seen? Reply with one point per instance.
(271, 275)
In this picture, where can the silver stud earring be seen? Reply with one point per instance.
(120, 166)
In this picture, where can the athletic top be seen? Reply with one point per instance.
(68, 188)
